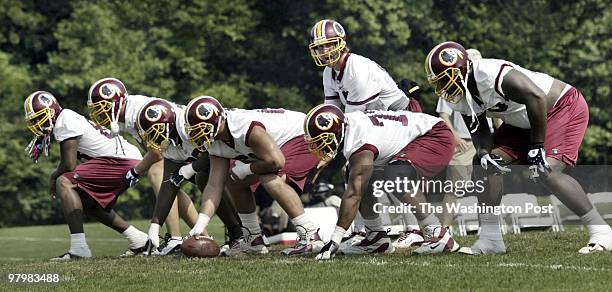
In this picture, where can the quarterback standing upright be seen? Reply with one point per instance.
(350, 80)
(544, 121)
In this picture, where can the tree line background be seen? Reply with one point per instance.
(254, 54)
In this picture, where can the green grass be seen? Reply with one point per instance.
(536, 261)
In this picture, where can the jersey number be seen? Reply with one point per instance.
(376, 119)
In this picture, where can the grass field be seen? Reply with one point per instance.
(536, 261)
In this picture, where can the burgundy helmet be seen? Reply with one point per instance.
(327, 42)
(156, 124)
(203, 118)
(446, 67)
(41, 110)
(105, 99)
(324, 130)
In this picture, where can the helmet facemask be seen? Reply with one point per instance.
(99, 112)
(157, 136)
(41, 122)
(200, 135)
(448, 84)
(327, 52)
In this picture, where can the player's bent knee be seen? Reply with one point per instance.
(400, 170)
(63, 183)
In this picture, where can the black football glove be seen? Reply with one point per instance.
(538, 165)
(132, 177)
(493, 164)
(328, 251)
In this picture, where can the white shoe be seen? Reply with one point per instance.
(373, 242)
(308, 243)
(409, 238)
(69, 257)
(170, 246)
(250, 244)
(598, 242)
(592, 248)
(484, 246)
(437, 240)
(353, 238)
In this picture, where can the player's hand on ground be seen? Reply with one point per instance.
(493, 164)
(536, 158)
(328, 251)
(153, 240)
(132, 177)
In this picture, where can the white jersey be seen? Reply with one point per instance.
(133, 105)
(359, 82)
(183, 151)
(489, 75)
(282, 125)
(94, 141)
(385, 133)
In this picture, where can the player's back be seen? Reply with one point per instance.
(387, 132)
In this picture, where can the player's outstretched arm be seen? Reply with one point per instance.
(68, 161)
(360, 172)
(211, 196)
(151, 157)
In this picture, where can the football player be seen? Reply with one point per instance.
(351, 80)
(406, 144)
(159, 125)
(91, 187)
(268, 148)
(112, 107)
(544, 121)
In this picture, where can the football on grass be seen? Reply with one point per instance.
(203, 247)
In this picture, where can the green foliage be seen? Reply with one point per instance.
(254, 54)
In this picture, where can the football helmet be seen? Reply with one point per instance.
(447, 67)
(105, 99)
(324, 130)
(156, 124)
(203, 118)
(327, 42)
(41, 110)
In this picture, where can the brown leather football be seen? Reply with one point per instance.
(202, 247)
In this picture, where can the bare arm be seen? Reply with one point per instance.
(271, 159)
(518, 87)
(482, 137)
(360, 173)
(68, 161)
(211, 196)
(151, 157)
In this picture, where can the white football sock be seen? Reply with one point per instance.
(374, 224)
(489, 226)
(78, 245)
(135, 237)
(359, 225)
(305, 222)
(596, 225)
(251, 222)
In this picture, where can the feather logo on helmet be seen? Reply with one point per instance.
(325, 121)
(45, 99)
(450, 56)
(109, 90)
(205, 111)
(154, 113)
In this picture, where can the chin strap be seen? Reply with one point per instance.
(474, 124)
(114, 126)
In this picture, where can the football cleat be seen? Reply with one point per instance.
(308, 243)
(484, 246)
(592, 248)
(437, 240)
(68, 257)
(373, 242)
(353, 238)
(250, 244)
(168, 246)
(409, 238)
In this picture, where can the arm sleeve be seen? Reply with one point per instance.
(69, 125)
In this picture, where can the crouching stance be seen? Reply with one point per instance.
(406, 144)
(91, 187)
(253, 147)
